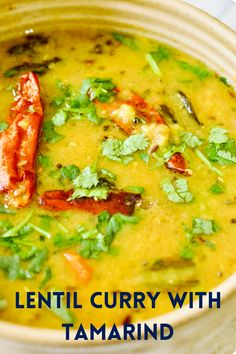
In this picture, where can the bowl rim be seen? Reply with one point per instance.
(34, 335)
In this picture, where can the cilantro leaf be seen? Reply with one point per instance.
(200, 227)
(126, 40)
(14, 231)
(201, 72)
(98, 88)
(112, 148)
(46, 278)
(218, 135)
(59, 118)
(116, 223)
(225, 81)
(38, 260)
(187, 252)
(144, 156)
(78, 105)
(44, 161)
(192, 141)
(87, 179)
(70, 172)
(223, 153)
(50, 135)
(136, 189)
(177, 192)
(99, 192)
(204, 227)
(217, 188)
(3, 126)
(162, 53)
(62, 312)
(105, 173)
(11, 266)
(118, 150)
(134, 143)
(4, 210)
(153, 63)
(93, 184)
(207, 162)
(226, 157)
(99, 239)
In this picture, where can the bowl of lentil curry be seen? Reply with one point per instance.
(117, 147)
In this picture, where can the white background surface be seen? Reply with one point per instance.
(222, 9)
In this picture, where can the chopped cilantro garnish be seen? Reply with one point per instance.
(13, 269)
(177, 191)
(201, 72)
(40, 230)
(136, 189)
(119, 150)
(204, 227)
(105, 173)
(200, 227)
(92, 183)
(207, 162)
(4, 210)
(92, 242)
(225, 81)
(99, 192)
(172, 150)
(46, 278)
(3, 126)
(217, 188)
(187, 251)
(99, 239)
(62, 312)
(50, 135)
(221, 149)
(126, 40)
(192, 141)
(87, 179)
(60, 118)
(144, 156)
(153, 63)
(70, 172)
(78, 105)
(44, 161)
(36, 263)
(98, 88)
(14, 231)
(162, 53)
(218, 136)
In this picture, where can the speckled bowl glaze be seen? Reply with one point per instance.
(180, 25)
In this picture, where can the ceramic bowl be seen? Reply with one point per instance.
(188, 29)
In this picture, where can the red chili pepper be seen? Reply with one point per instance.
(18, 143)
(178, 164)
(143, 110)
(116, 202)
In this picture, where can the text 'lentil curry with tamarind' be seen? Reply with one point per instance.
(117, 170)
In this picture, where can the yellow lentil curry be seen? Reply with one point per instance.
(131, 187)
